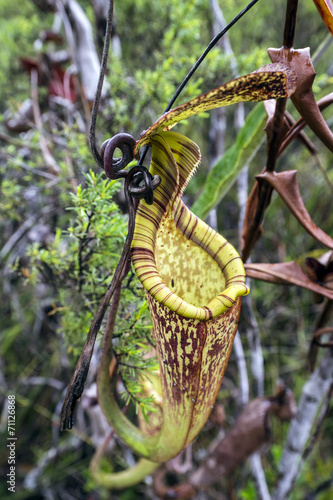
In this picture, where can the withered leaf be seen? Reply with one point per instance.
(303, 98)
(249, 433)
(251, 233)
(286, 273)
(285, 183)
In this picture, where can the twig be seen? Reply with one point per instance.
(260, 477)
(77, 382)
(297, 127)
(35, 171)
(321, 417)
(22, 230)
(83, 242)
(320, 51)
(34, 476)
(99, 453)
(322, 320)
(48, 158)
(276, 135)
(183, 462)
(17, 142)
(253, 337)
(323, 172)
(52, 382)
(82, 50)
(92, 128)
(323, 486)
(241, 364)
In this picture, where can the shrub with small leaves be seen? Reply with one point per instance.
(79, 264)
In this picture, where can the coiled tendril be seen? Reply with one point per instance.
(142, 183)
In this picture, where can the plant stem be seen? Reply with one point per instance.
(290, 24)
(276, 136)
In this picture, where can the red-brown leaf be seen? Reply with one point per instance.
(286, 273)
(285, 183)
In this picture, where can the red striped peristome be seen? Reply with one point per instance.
(182, 262)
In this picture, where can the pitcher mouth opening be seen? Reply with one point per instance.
(182, 262)
(189, 268)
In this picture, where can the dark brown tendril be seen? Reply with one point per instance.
(209, 47)
(114, 166)
(142, 183)
(94, 111)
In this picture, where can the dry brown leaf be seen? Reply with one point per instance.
(303, 98)
(285, 183)
(250, 234)
(249, 433)
(286, 273)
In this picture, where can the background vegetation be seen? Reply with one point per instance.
(62, 227)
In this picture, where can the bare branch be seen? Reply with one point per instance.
(241, 364)
(314, 392)
(48, 158)
(253, 337)
(260, 477)
(81, 42)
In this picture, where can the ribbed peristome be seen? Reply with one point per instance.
(182, 262)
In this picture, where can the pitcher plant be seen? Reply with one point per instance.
(194, 280)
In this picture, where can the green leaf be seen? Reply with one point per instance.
(226, 170)
(8, 336)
